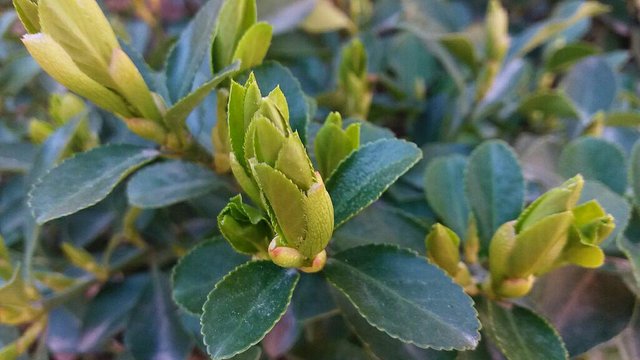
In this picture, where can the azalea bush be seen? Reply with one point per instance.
(318, 179)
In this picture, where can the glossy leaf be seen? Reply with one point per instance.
(244, 306)
(85, 179)
(494, 186)
(186, 57)
(520, 333)
(444, 187)
(170, 182)
(197, 273)
(595, 159)
(365, 174)
(374, 276)
(312, 298)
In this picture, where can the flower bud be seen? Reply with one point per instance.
(443, 248)
(271, 164)
(352, 79)
(333, 144)
(497, 22)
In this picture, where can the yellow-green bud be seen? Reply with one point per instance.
(333, 144)
(352, 79)
(443, 248)
(244, 227)
(39, 131)
(63, 107)
(497, 27)
(147, 129)
(271, 164)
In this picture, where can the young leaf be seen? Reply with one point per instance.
(564, 57)
(244, 306)
(549, 103)
(375, 276)
(613, 204)
(520, 333)
(444, 187)
(198, 272)
(494, 186)
(186, 57)
(170, 182)
(85, 179)
(365, 174)
(271, 74)
(253, 46)
(595, 159)
(28, 13)
(235, 19)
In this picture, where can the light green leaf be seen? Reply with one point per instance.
(612, 203)
(564, 57)
(626, 119)
(176, 116)
(365, 174)
(400, 293)
(494, 187)
(253, 45)
(85, 179)
(170, 182)
(520, 333)
(444, 187)
(244, 306)
(548, 103)
(462, 48)
(326, 17)
(197, 273)
(186, 57)
(595, 159)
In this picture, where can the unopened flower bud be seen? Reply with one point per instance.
(333, 144)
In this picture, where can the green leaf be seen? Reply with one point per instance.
(587, 307)
(253, 45)
(379, 343)
(444, 187)
(365, 174)
(494, 186)
(170, 182)
(176, 116)
(381, 224)
(198, 272)
(186, 57)
(85, 179)
(155, 330)
(16, 157)
(520, 333)
(595, 159)
(28, 13)
(564, 57)
(462, 48)
(634, 172)
(592, 84)
(626, 119)
(548, 103)
(400, 293)
(312, 298)
(244, 306)
(271, 74)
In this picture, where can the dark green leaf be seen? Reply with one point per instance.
(520, 333)
(155, 330)
(197, 273)
(592, 85)
(382, 345)
(186, 57)
(244, 306)
(271, 74)
(170, 182)
(588, 307)
(444, 187)
(494, 186)
(381, 223)
(16, 157)
(365, 174)
(85, 179)
(312, 298)
(400, 293)
(634, 172)
(595, 159)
